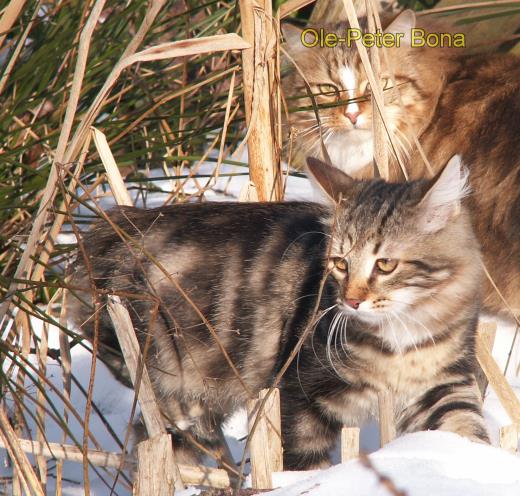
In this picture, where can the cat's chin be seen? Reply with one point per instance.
(366, 316)
(351, 149)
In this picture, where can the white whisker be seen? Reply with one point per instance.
(405, 327)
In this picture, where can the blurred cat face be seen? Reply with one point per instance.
(337, 81)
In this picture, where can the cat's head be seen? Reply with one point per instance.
(402, 252)
(336, 78)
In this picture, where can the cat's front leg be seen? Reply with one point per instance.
(308, 435)
(454, 406)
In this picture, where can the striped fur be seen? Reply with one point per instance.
(454, 101)
(255, 272)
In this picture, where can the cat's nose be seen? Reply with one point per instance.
(353, 302)
(352, 116)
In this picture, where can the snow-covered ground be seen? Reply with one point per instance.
(420, 464)
(425, 463)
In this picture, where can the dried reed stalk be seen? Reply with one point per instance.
(23, 326)
(383, 480)
(378, 128)
(154, 474)
(66, 370)
(374, 82)
(508, 437)
(198, 475)
(170, 96)
(497, 381)
(260, 91)
(159, 444)
(66, 154)
(137, 369)
(25, 265)
(21, 43)
(349, 443)
(9, 17)
(486, 336)
(291, 6)
(41, 352)
(10, 441)
(114, 177)
(184, 48)
(386, 416)
(266, 439)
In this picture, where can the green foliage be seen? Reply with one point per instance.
(146, 125)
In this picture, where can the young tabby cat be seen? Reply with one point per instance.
(397, 309)
(455, 103)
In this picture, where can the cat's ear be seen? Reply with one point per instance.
(334, 182)
(293, 37)
(442, 201)
(402, 25)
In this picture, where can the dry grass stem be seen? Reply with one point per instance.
(292, 6)
(508, 436)
(9, 17)
(259, 87)
(25, 265)
(10, 440)
(266, 439)
(190, 474)
(183, 48)
(374, 82)
(349, 443)
(114, 177)
(137, 369)
(384, 481)
(378, 128)
(497, 381)
(21, 43)
(386, 416)
(156, 472)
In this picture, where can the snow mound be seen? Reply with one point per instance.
(420, 464)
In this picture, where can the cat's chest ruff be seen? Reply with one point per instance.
(351, 151)
(407, 376)
(409, 372)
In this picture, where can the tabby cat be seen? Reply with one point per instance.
(454, 102)
(385, 280)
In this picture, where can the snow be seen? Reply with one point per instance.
(422, 463)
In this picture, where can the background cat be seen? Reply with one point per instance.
(455, 103)
(337, 80)
(392, 270)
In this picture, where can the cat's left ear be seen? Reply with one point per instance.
(334, 182)
(402, 27)
(442, 201)
(293, 37)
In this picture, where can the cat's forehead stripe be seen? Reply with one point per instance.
(348, 79)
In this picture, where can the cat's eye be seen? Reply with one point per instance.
(340, 264)
(328, 89)
(386, 265)
(386, 83)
